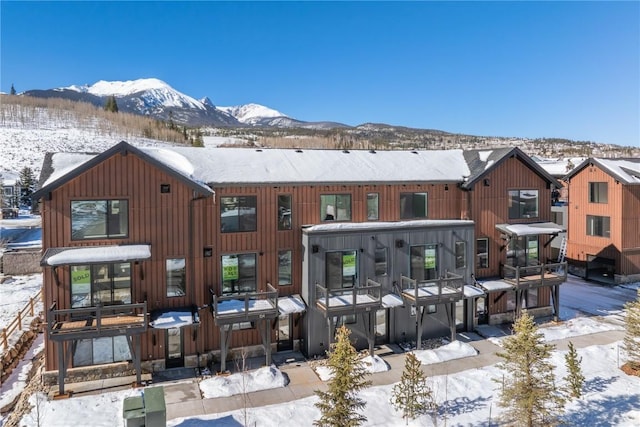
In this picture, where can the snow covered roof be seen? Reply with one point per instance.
(532, 229)
(94, 254)
(471, 291)
(625, 170)
(174, 318)
(392, 300)
(226, 166)
(496, 285)
(356, 226)
(291, 304)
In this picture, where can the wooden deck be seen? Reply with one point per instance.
(349, 300)
(437, 291)
(535, 276)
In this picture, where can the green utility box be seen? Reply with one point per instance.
(146, 410)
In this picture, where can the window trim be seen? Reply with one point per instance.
(324, 215)
(464, 254)
(290, 267)
(238, 216)
(222, 273)
(93, 291)
(606, 233)
(282, 213)
(370, 217)
(413, 215)
(521, 214)
(167, 277)
(354, 276)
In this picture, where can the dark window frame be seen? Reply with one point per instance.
(175, 278)
(418, 262)
(335, 210)
(481, 255)
(334, 262)
(237, 280)
(373, 212)
(285, 212)
(519, 208)
(411, 205)
(461, 256)
(85, 210)
(109, 281)
(280, 267)
(598, 192)
(598, 226)
(240, 222)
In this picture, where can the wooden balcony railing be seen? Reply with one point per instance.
(247, 306)
(447, 288)
(535, 276)
(358, 298)
(86, 322)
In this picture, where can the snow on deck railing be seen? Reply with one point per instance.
(349, 297)
(549, 271)
(243, 304)
(23, 317)
(447, 285)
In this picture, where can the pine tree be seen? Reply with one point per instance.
(13, 90)
(528, 393)
(632, 334)
(111, 104)
(574, 378)
(339, 405)
(412, 395)
(27, 185)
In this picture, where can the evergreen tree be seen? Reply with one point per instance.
(111, 104)
(412, 396)
(528, 393)
(27, 185)
(13, 90)
(339, 405)
(632, 334)
(574, 378)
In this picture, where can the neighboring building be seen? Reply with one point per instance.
(10, 198)
(198, 251)
(604, 220)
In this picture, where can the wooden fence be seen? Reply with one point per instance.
(16, 324)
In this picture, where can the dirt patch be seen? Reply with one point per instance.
(631, 368)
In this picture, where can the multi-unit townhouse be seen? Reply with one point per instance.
(604, 220)
(165, 257)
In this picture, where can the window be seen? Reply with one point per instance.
(598, 226)
(372, 207)
(424, 262)
(284, 268)
(105, 284)
(598, 192)
(413, 205)
(176, 277)
(461, 255)
(523, 204)
(94, 351)
(557, 217)
(482, 253)
(341, 269)
(238, 214)
(522, 251)
(335, 207)
(99, 219)
(239, 273)
(284, 212)
(381, 262)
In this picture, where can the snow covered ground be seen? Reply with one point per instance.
(466, 398)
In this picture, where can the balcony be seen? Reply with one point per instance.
(448, 288)
(357, 299)
(535, 276)
(245, 307)
(96, 322)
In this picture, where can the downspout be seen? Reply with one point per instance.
(192, 267)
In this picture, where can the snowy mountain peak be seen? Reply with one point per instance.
(207, 102)
(249, 113)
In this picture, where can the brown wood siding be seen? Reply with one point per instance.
(579, 244)
(489, 205)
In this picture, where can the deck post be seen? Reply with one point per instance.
(452, 320)
(419, 311)
(329, 330)
(267, 341)
(61, 368)
(556, 303)
(225, 338)
(371, 333)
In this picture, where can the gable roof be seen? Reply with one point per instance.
(481, 162)
(625, 170)
(60, 168)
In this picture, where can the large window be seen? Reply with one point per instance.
(95, 351)
(523, 204)
(522, 251)
(413, 205)
(239, 273)
(341, 268)
(99, 219)
(372, 207)
(482, 253)
(284, 268)
(424, 262)
(238, 214)
(598, 192)
(461, 254)
(598, 226)
(335, 207)
(176, 277)
(105, 284)
(284, 212)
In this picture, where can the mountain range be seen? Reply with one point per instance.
(155, 98)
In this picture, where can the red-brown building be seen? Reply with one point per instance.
(173, 256)
(604, 220)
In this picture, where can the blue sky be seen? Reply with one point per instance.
(527, 69)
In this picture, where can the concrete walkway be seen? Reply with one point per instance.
(183, 398)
